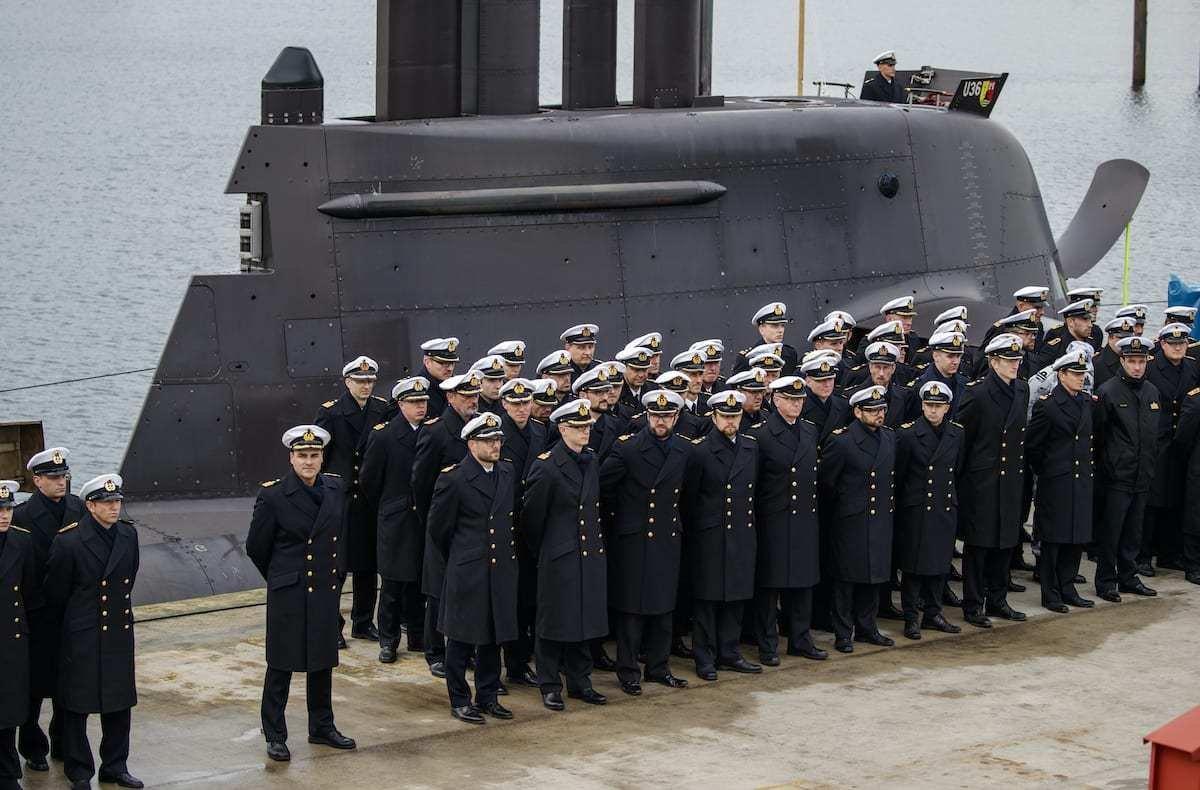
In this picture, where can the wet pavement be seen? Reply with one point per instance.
(1061, 701)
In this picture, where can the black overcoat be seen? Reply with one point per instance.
(295, 544)
(1127, 434)
(386, 480)
(439, 446)
(561, 522)
(93, 586)
(855, 477)
(639, 499)
(785, 504)
(471, 523)
(926, 495)
(992, 483)
(717, 509)
(350, 426)
(45, 620)
(1059, 450)
(834, 413)
(1186, 451)
(1173, 383)
(521, 449)
(20, 592)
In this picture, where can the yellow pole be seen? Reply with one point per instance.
(1125, 276)
(800, 53)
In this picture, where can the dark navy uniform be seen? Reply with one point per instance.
(827, 415)
(560, 520)
(1186, 451)
(791, 359)
(1058, 338)
(1160, 529)
(1106, 365)
(928, 459)
(439, 446)
(955, 383)
(1127, 449)
(717, 509)
(993, 415)
(1059, 449)
(20, 593)
(295, 542)
(350, 426)
(90, 574)
(521, 448)
(789, 560)
(471, 524)
(878, 89)
(43, 518)
(856, 472)
(386, 479)
(640, 484)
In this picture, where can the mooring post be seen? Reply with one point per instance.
(1140, 8)
(800, 52)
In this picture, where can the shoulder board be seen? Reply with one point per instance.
(1195, 391)
(886, 427)
(922, 348)
(431, 420)
(837, 431)
(380, 426)
(908, 424)
(1054, 341)
(954, 422)
(922, 366)
(859, 366)
(625, 437)
(448, 468)
(539, 422)
(18, 529)
(69, 527)
(543, 456)
(332, 474)
(997, 324)
(378, 398)
(973, 383)
(909, 384)
(759, 424)
(327, 404)
(269, 483)
(1044, 397)
(810, 422)
(698, 441)
(744, 351)
(749, 436)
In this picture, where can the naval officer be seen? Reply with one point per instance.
(20, 591)
(439, 356)
(883, 87)
(771, 320)
(294, 541)
(580, 344)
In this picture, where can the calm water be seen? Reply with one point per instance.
(122, 119)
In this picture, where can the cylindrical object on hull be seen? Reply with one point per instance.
(505, 56)
(666, 52)
(589, 76)
(417, 60)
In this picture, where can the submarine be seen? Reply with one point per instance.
(464, 207)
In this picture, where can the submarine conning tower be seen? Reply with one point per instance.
(481, 57)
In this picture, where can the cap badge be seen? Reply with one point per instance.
(587, 331)
(495, 364)
(731, 400)
(4, 492)
(551, 387)
(109, 485)
(473, 381)
(364, 365)
(519, 389)
(309, 436)
(824, 367)
(957, 341)
(837, 324)
(418, 386)
(56, 457)
(1015, 346)
(711, 350)
(562, 359)
(519, 350)
(452, 345)
(1126, 326)
(661, 400)
(654, 343)
(602, 374)
(778, 309)
(490, 421)
(583, 410)
(1083, 359)
(758, 376)
(642, 357)
(934, 390)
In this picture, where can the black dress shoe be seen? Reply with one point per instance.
(278, 751)
(811, 652)
(1014, 587)
(438, 669)
(496, 710)
(525, 678)
(875, 638)
(843, 645)
(1193, 577)
(1137, 588)
(1112, 596)
(604, 663)
(680, 649)
(890, 612)
(951, 599)
(370, 633)
(939, 623)
(706, 673)
(125, 779)
(741, 666)
(468, 714)
(553, 700)
(768, 660)
(37, 764)
(342, 642)
(387, 654)
(502, 690)
(670, 681)
(954, 575)
(1006, 612)
(333, 739)
(590, 696)
(1082, 603)
(631, 687)
(1145, 569)
(1059, 608)
(912, 630)
(977, 619)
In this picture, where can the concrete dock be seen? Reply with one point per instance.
(1061, 701)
